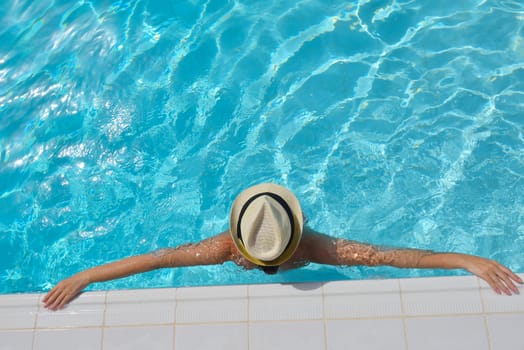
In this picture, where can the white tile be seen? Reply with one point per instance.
(450, 333)
(506, 331)
(494, 302)
(232, 336)
(441, 295)
(66, 339)
(211, 304)
(354, 299)
(365, 334)
(285, 302)
(140, 307)
(139, 338)
(16, 339)
(307, 335)
(18, 311)
(85, 311)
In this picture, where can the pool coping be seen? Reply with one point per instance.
(408, 312)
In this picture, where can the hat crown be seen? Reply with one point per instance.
(265, 223)
(265, 228)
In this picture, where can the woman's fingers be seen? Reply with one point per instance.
(62, 293)
(501, 284)
(501, 279)
(492, 283)
(513, 275)
(508, 282)
(53, 300)
(51, 297)
(61, 301)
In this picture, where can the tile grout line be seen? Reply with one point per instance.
(36, 320)
(102, 336)
(484, 315)
(286, 320)
(324, 318)
(174, 319)
(403, 312)
(248, 317)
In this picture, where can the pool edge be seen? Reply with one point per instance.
(405, 312)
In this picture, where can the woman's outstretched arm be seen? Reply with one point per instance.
(215, 250)
(334, 251)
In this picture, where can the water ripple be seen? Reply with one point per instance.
(394, 121)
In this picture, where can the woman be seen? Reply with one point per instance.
(267, 231)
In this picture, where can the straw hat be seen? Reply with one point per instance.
(266, 224)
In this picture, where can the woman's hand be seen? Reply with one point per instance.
(500, 278)
(65, 291)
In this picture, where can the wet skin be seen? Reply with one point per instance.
(314, 247)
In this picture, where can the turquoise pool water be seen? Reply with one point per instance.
(130, 126)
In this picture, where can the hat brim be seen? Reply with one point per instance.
(296, 211)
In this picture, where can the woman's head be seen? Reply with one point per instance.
(266, 224)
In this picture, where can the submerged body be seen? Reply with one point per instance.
(314, 247)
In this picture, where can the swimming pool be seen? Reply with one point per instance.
(130, 126)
